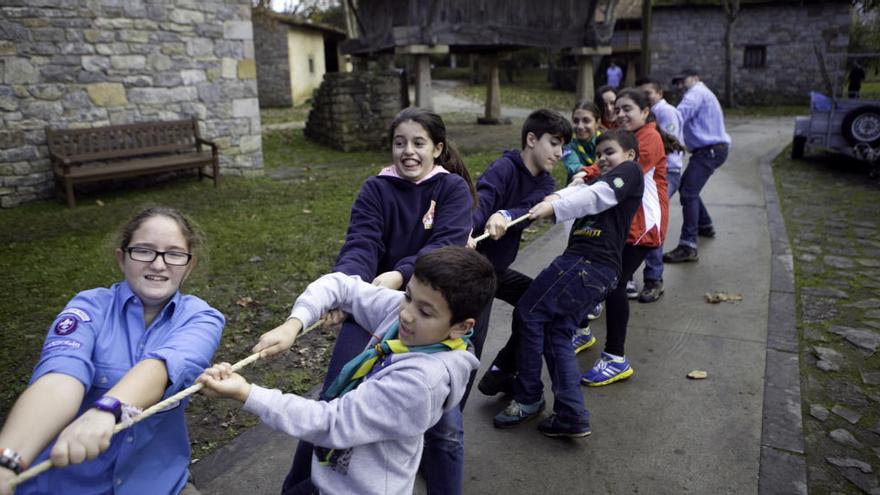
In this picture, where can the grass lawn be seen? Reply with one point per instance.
(267, 238)
(530, 89)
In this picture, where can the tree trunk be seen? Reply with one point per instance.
(646, 38)
(731, 11)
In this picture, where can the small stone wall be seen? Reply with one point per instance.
(683, 37)
(273, 64)
(86, 63)
(352, 110)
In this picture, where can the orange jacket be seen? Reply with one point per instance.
(649, 223)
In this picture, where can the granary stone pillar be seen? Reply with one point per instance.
(584, 56)
(492, 115)
(422, 54)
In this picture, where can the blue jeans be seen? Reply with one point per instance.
(444, 442)
(545, 319)
(703, 163)
(443, 457)
(654, 259)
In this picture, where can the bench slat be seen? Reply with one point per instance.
(101, 170)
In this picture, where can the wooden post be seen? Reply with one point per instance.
(422, 55)
(630, 79)
(492, 115)
(584, 56)
(646, 38)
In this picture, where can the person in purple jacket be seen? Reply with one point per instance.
(508, 189)
(421, 202)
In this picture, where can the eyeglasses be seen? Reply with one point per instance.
(147, 255)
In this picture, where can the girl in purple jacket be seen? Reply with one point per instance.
(420, 202)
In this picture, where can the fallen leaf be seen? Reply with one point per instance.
(717, 297)
(245, 301)
(305, 210)
(697, 375)
(99, 202)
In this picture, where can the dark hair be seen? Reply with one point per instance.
(543, 121)
(463, 276)
(647, 81)
(194, 238)
(597, 96)
(433, 124)
(640, 98)
(588, 106)
(626, 139)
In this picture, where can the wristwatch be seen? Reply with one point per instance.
(110, 405)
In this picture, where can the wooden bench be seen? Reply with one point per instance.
(119, 151)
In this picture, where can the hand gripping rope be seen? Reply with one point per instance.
(170, 401)
(174, 399)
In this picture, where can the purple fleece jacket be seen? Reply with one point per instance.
(394, 220)
(507, 185)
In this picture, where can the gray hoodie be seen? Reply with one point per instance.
(377, 428)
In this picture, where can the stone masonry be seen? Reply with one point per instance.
(352, 110)
(788, 30)
(273, 67)
(89, 63)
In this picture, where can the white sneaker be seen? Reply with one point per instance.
(632, 291)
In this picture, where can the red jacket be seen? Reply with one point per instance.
(649, 224)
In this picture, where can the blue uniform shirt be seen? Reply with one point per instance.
(98, 338)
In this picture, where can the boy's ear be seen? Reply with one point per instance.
(631, 155)
(459, 330)
(531, 139)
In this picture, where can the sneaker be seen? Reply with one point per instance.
(652, 291)
(496, 382)
(681, 254)
(582, 339)
(516, 413)
(552, 426)
(707, 231)
(607, 371)
(595, 312)
(632, 291)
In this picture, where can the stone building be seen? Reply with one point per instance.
(292, 57)
(82, 63)
(774, 45)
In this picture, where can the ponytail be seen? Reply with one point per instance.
(451, 160)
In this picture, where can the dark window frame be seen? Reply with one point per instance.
(755, 56)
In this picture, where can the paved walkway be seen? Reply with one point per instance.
(657, 432)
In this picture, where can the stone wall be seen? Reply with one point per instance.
(788, 30)
(352, 110)
(273, 66)
(85, 63)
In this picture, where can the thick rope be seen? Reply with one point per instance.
(170, 401)
(174, 399)
(515, 221)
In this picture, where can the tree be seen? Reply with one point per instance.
(731, 12)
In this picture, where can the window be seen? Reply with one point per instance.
(755, 56)
(311, 64)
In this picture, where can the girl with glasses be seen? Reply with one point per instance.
(110, 353)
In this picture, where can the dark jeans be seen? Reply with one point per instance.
(443, 457)
(703, 163)
(617, 304)
(511, 286)
(544, 321)
(654, 259)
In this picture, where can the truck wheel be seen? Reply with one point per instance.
(797, 146)
(862, 125)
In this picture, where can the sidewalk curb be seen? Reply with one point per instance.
(782, 465)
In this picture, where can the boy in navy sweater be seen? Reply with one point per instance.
(561, 295)
(513, 184)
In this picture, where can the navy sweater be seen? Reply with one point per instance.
(393, 220)
(507, 185)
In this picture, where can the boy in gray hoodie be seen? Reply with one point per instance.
(369, 437)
